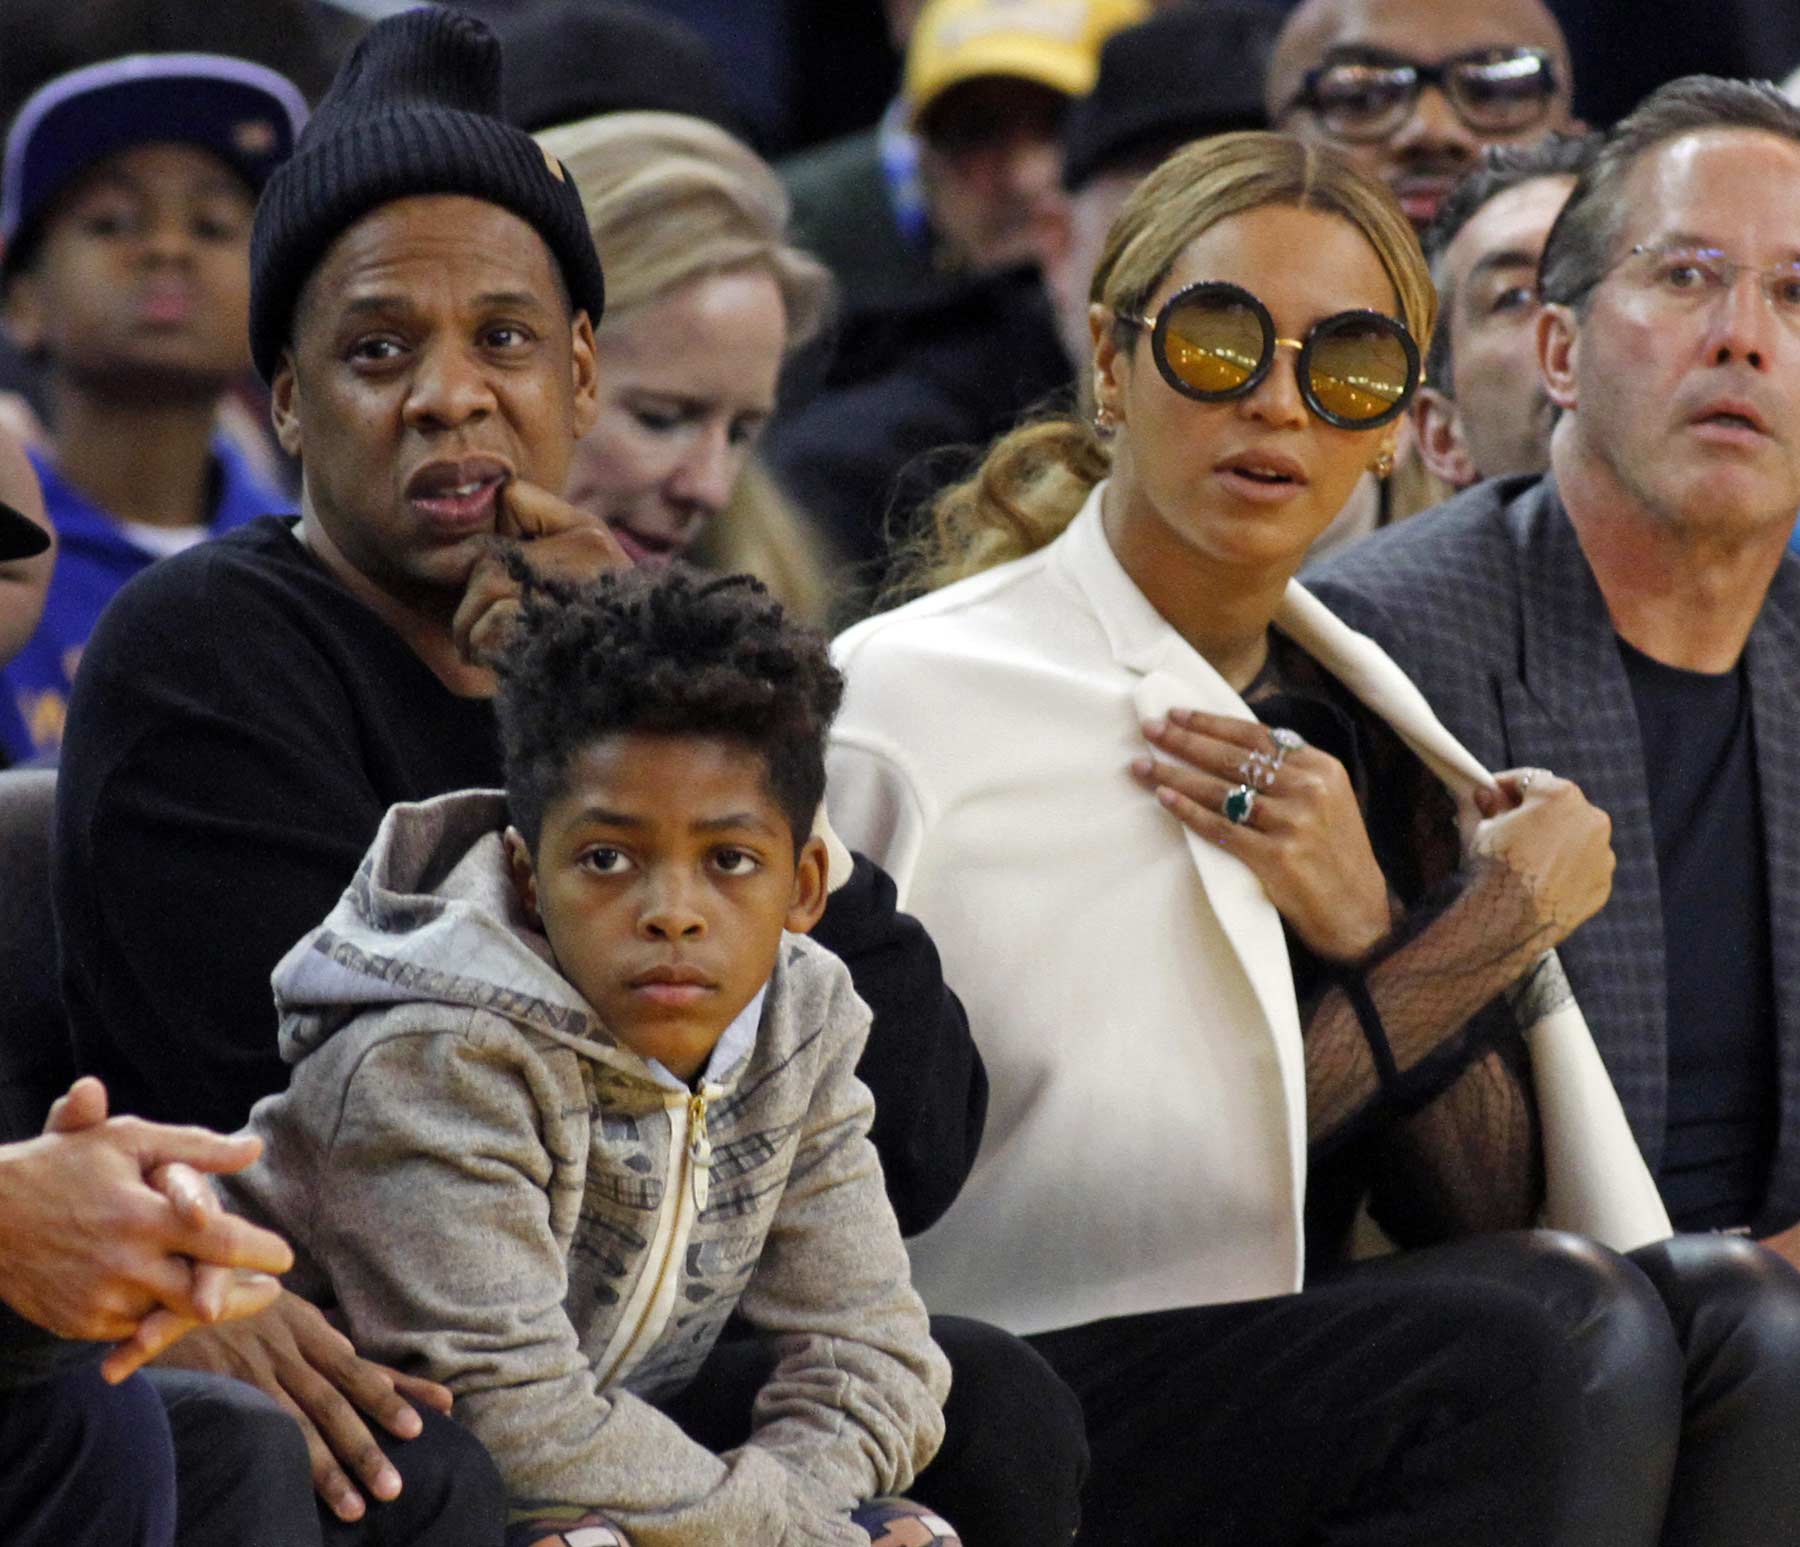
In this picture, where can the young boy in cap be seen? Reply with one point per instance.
(125, 206)
(571, 1092)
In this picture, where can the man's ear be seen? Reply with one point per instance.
(1438, 429)
(807, 904)
(524, 874)
(281, 405)
(584, 365)
(22, 313)
(1559, 352)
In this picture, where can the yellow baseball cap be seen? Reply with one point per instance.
(1055, 43)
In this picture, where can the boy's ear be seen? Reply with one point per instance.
(22, 312)
(524, 876)
(810, 891)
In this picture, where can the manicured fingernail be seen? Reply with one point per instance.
(1166, 795)
(386, 1484)
(407, 1424)
(348, 1505)
(1141, 766)
(1155, 727)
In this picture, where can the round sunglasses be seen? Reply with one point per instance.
(1215, 341)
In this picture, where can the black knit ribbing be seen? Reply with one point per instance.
(414, 111)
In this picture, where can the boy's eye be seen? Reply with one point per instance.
(605, 861)
(735, 862)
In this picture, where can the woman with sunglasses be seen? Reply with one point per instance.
(1234, 955)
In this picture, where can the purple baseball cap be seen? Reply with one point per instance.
(246, 114)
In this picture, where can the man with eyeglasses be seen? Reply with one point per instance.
(1483, 411)
(1412, 90)
(1630, 621)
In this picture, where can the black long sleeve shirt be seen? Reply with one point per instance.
(239, 726)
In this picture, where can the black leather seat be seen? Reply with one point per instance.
(36, 1064)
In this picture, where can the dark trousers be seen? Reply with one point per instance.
(1010, 1470)
(1736, 1312)
(1517, 1388)
(85, 1464)
(1380, 1408)
(243, 1479)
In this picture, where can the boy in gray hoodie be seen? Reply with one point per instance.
(569, 1092)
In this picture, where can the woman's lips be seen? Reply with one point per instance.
(646, 552)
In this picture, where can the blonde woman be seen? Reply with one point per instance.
(705, 300)
(1232, 951)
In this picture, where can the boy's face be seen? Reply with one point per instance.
(141, 278)
(664, 876)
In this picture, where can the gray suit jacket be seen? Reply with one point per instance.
(1488, 603)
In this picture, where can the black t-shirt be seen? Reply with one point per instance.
(239, 727)
(1699, 756)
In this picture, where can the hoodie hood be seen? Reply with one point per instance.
(432, 917)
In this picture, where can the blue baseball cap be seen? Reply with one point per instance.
(246, 114)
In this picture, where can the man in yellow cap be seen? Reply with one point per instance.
(931, 222)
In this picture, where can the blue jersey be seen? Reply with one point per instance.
(95, 557)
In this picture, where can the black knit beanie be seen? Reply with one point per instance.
(415, 110)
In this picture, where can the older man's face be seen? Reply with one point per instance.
(1685, 396)
(1501, 415)
(1511, 85)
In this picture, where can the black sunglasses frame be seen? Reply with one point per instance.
(1159, 351)
(1423, 75)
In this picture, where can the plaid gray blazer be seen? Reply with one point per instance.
(1489, 605)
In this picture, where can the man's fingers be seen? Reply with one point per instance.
(161, 1329)
(157, 1144)
(343, 1431)
(231, 1242)
(83, 1106)
(330, 1481)
(188, 1192)
(428, 1393)
(530, 511)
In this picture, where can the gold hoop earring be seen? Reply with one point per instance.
(1106, 423)
(1384, 464)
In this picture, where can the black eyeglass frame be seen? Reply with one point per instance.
(1422, 75)
(1272, 345)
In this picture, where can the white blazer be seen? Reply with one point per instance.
(1128, 984)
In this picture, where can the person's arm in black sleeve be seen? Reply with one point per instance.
(930, 1088)
(212, 806)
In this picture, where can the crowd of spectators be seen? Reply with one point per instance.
(489, 1103)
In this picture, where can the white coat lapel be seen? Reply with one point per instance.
(1172, 674)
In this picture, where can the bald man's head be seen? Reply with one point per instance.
(1423, 144)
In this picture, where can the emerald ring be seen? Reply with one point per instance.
(1240, 801)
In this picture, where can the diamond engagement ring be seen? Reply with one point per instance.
(1240, 801)
(1286, 741)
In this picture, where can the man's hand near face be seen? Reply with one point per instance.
(556, 539)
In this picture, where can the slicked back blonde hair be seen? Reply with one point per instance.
(671, 198)
(1035, 479)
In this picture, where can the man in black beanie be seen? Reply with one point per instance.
(422, 287)
(423, 290)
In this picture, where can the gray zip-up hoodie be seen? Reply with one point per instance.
(494, 1194)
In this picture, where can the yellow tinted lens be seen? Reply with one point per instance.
(1358, 371)
(1213, 345)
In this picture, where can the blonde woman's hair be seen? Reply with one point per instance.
(1034, 480)
(762, 532)
(671, 198)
